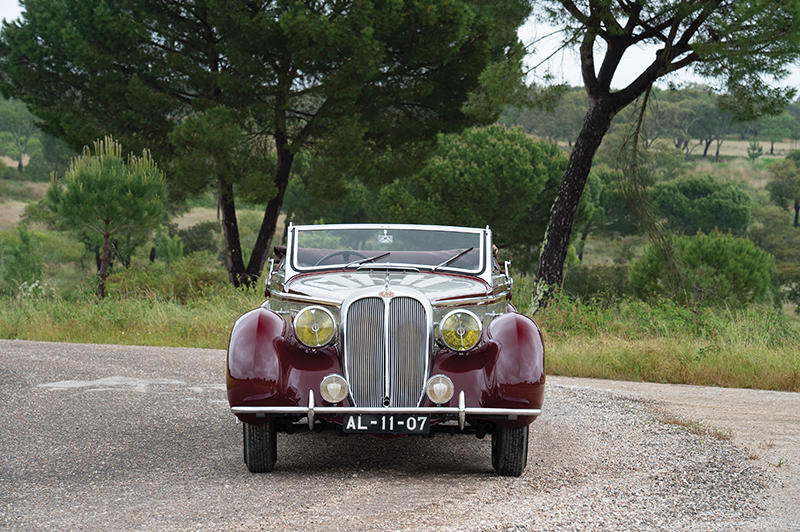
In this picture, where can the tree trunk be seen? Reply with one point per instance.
(716, 153)
(270, 221)
(102, 275)
(562, 215)
(230, 230)
(707, 145)
(772, 147)
(797, 213)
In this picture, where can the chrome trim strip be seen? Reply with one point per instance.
(285, 296)
(336, 410)
(462, 410)
(310, 410)
(485, 249)
(387, 348)
(420, 227)
(480, 300)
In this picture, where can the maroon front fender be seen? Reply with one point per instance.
(506, 371)
(266, 368)
(518, 375)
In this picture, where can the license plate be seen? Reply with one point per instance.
(386, 424)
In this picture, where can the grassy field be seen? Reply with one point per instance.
(628, 340)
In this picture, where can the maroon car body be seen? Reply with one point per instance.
(387, 330)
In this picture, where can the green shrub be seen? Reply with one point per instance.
(714, 270)
(19, 261)
(591, 281)
(193, 277)
(702, 203)
(169, 248)
(204, 236)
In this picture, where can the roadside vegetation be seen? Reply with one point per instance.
(661, 224)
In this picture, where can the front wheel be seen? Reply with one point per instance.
(510, 450)
(260, 446)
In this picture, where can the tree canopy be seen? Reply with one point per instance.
(735, 42)
(784, 186)
(340, 79)
(106, 194)
(692, 204)
(490, 175)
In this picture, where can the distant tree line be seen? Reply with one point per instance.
(34, 153)
(693, 119)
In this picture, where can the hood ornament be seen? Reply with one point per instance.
(386, 292)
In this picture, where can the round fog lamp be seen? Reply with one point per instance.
(333, 388)
(439, 389)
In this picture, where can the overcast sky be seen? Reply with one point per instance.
(564, 65)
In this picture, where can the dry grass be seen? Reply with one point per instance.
(195, 216)
(10, 212)
(695, 427)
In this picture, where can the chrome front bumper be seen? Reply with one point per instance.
(462, 411)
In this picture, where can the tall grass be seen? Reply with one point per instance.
(137, 321)
(754, 347)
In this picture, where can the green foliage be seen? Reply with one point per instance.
(754, 150)
(21, 263)
(793, 295)
(212, 147)
(169, 248)
(607, 282)
(784, 187)
(252, 86)
(204, 236)
(491, 175)
(105, 195)
(772, 231)
(692, 204)
(715, 270)
(610, 211)
(560, 122)
(17, 132)
(661, 341)
(190, 278)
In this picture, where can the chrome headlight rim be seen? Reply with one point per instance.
(325, 393)
(330, 316)
(468, 313)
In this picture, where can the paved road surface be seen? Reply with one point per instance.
(104, 437)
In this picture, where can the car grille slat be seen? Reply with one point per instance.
(365, 351)
(369, 360)
(407, 351)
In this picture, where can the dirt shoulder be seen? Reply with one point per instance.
(767, 423)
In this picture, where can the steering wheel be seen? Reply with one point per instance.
(345, 253)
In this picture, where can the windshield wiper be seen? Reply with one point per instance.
(367, 259)
(453, 258)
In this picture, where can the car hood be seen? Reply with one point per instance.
(434, 286)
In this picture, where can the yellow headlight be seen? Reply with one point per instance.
(314, 326)
(460, 330)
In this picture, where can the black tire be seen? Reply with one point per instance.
(260, 446)
(510, 450)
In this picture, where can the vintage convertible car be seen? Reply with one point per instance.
(387, 330)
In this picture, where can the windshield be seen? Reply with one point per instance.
(381, 246)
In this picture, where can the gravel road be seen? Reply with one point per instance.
(120, 437)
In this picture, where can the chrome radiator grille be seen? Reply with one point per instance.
(386, 351)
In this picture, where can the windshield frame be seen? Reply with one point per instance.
(484, 240)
